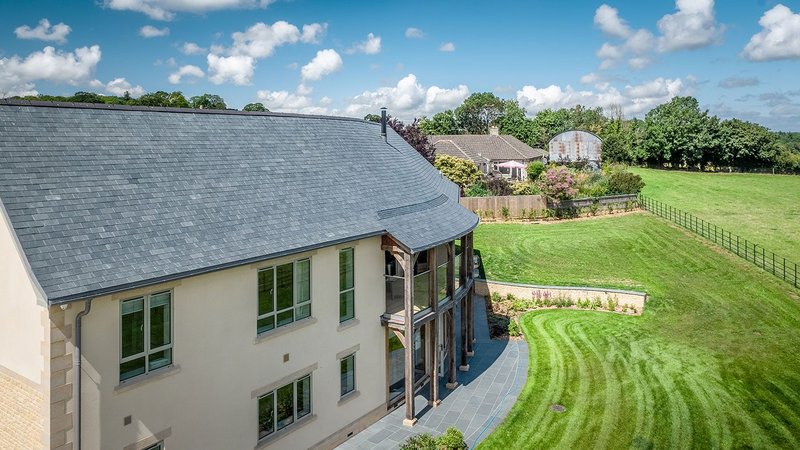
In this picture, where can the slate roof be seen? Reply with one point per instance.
(107, 198)
(480, 147)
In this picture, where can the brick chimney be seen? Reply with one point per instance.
(494, 130)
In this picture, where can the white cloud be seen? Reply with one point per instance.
(119, 86)
(414, 33)
(371, 46)
(44, 31)
(313, 32)
(610, 54)
(590, 78)
(639, 62)
(636, 99)
(190, 48)
(324, 63)
(166, 9)
(186, 71)
(237, 69)
(302, 89)
(407, 99)
(640, 41)
(284, 101)
(607, 18)
(447, 47)
(692, 26)
(18, 74)
(260, 40)
(737, 82)
(149, 31)
(779, 37)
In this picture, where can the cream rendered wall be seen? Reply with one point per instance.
(207, 402)
(22, 330)
(24, 348)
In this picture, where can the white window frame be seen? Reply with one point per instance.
(295, 419)
(352, 289)
(147, 351)
(295, 305)
(355, 386)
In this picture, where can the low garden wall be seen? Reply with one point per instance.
(517, 205)
(540, 295)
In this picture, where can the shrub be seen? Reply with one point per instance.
(504, 211)
(525, 188)
(460, 171)
(452, 439)
(532, 214)
(597, 303)
(594, 207)
(612, 304)
(624, 183)
(535, 169)
(424, 441)
(558, 183)
(513, 328)
(498, 186)
(496, 297)
(477, 189)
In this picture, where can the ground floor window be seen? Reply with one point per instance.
(348, 374)
(159, 446)
(283, 406)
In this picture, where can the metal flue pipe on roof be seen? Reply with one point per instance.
(383, 123)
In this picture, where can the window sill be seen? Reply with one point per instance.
(347, 397)
(137, 381)
(280, 434)
(267, 335)
(349, 323)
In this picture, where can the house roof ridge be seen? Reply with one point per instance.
(169, 109)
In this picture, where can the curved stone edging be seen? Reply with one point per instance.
(632, 298)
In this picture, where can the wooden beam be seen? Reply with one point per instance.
(400, 336)
(433, 279)
(433, 333)
(451, 354)
(408, 297)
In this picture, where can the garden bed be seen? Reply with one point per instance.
(506, 302)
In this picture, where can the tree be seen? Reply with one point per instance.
(589, 119)
(158, 98)
(415, 138)
(534, 169)
(255, 107)
(746, 144)
(515, 122)
(546, 124)
(460, 171)
(679, 133)
(373, 118)
(441, 123)
(478, 111)
(617, 138)
(207, 101)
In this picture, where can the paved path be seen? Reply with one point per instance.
(476, 406)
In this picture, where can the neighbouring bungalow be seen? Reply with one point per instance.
(187, 279)
(491, 152)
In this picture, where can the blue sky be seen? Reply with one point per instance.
(739, 58)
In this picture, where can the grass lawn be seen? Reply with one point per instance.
(712, 363)
(762, 208)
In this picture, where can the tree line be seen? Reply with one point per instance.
(676, 134)
(174, 99)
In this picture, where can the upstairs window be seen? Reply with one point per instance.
(145, 334)
(346, 285)
(284, 295)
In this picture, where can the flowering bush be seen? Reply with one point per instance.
(558, 183)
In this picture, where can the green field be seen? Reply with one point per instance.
(712, 363)
(761, 208)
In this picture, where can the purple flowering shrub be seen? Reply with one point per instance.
(558, 183)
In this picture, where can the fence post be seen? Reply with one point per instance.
(737, 242)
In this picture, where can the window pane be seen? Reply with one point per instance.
(457, 271)
(303, 311)
(131, 369)
(159, 446)
(304, 396)
(285, 317)
(303, 281)
(346, 309)
(160, 359)
(265, 324)
(441, 280)
(285, 296)
(285, 405)
(346, 269)
(266, 415)
(132, 327)
(160, 333)
(266, 292)
(348, 374)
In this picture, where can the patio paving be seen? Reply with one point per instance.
(476, 406)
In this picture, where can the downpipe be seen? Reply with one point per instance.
(76, 364)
